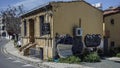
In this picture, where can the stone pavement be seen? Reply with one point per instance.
(12, 51)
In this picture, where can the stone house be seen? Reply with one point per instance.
(112, 29)
(59, 17)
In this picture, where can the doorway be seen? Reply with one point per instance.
(31, 30)
(106, 46)
(41, 53)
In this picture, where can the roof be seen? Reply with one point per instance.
(111, 11)
(35, 9)
(49, 4)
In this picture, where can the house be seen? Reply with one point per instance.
(60, 18)
(112, 29)
(3, 32)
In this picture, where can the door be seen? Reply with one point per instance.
(31, 30)
(105, 46)
(41, 53)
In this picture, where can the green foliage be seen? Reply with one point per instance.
(15, 43)
(118, 55)
(71, 59)
(92, 57)
(50, 60)
(117, 50)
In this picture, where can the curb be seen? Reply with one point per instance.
(36, 64)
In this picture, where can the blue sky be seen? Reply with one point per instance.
(105, 3)
(29, 4)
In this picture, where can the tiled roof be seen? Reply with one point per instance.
(111, 11)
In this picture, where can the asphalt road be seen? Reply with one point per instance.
(104, 64)
(7, 61)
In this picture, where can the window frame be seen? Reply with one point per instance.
(112, 21)
(25, 28)
(41, 21)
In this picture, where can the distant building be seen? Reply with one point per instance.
(3, 32)
(60, 17)
(112, 26)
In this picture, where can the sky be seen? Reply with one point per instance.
(29, 4)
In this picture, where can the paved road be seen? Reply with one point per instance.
(7, 61)
(103, 64)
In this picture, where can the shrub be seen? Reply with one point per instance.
(71, 59)
(15, 43)
(92, 57)
(117, 49)
(50, 60)
(118, 55)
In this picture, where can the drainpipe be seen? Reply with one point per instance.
(80, 27)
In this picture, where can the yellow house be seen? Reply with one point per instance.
(112, 28)
(61, 17)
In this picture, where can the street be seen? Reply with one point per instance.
(7, 61)
(103, 64)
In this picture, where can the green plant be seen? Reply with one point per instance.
(118, 55)
(117, 49)
(92, 57)
(15, 43)
(71, 59)
(50, 60)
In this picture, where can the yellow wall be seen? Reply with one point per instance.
(114, 29)
(65, 16)
(47, 47)
(68, 14)
(25, 41)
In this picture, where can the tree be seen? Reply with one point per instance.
(11, 19)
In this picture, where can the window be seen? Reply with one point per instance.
(25, 28)
(42, 25)
(3, 27)
(3, 34)
(112, 21)
(47, 28)
(112, 43)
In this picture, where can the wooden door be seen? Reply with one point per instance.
(31, 30)
(105, 46)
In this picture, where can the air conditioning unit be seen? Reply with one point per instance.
(78, 32)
